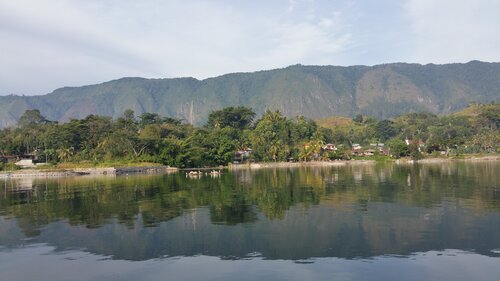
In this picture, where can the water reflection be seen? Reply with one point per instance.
(354, 211)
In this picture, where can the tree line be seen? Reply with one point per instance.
(150, 137)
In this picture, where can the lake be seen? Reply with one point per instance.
(354, 222)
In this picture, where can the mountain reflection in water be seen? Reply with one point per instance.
(354, 211)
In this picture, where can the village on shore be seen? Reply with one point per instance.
(232, 138)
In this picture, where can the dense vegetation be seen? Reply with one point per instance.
(382, 91)
(273, 137)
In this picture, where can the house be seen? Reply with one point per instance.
(369, 152)
(378, 146)
(420, 143)
(242, 155)
(357, 152)
(330, 147)
(25, 163)
(356, 146)
(8, 158)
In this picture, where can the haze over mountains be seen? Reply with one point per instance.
(382, 91)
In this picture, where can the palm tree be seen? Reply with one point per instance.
(64, 154)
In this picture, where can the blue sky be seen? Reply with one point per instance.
(47, 44)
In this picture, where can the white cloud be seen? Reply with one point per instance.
(111, 39)
(454, 31)
(46, 44)
(102, 40)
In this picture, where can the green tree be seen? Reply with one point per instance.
(358, 118)
(30, 128)
(270, 138)
(490, 116)
(414, 151)
(31, 117)
(65, 154)
(149, 118)
(385, 130)
(235, 117)
(92, 134)
(398, 148)
(170, 153)
(486, 141)
(302, 128)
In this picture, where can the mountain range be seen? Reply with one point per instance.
(382, 91)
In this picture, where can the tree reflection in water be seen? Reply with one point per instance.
(352, 211)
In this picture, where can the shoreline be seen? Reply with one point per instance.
(264, 165)
(449, 159)
(114, 171)
(401, 161)
(110, 171)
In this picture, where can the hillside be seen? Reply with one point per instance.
(335, 121)
(316, 92)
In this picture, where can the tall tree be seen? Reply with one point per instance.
(235, 117)
(271, 136)
(385, 130)
(148, 118)
(31, 117)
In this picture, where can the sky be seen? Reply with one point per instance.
(48, 44)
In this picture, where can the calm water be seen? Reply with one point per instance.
(422, 222)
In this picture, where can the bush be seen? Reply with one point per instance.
(8, 167)
(398, 148)
(414, 152)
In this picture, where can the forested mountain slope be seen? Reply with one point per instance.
(381, 91)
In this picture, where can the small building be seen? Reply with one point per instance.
(25, 163)
(420, 143)
(369, 152)
(8, 158)
(330, 147)
(356, 146)
(242, 155)
(357, 152)
(384, 151)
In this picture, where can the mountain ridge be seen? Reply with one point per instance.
(314, 91)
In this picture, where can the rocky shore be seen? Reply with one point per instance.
(299, 164)
(111, 171)
(357, 162)
(87, 171)
(468, 159)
